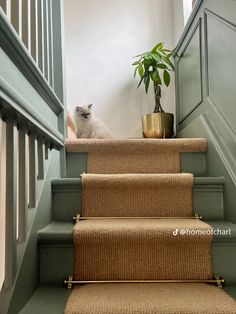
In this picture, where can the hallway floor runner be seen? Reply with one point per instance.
(137, 195)
(142, 249)
(134, 155)
(150, 299)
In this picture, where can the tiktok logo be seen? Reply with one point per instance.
(175, 232)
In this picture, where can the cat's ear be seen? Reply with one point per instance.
(90, 106)
(78, 108)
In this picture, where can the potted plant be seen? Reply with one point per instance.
(154, 67)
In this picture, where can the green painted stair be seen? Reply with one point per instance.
(207, 198)
(52, 299)
(76, 163)
(57, 252)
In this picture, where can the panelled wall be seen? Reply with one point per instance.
(206, 88)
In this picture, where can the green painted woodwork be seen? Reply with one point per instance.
(15, 49)
(66, 199)
(19, 94)
(191, 95)
(52, 300)
(47, 300)
(207, 198)
(76, 163)
(28, 255)
(193, 163)
(56, 244)
(214, 117)
(58, 49)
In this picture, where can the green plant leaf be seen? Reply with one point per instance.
(140, 55)
(155, 76)
(157, 47)
(166, 78)
(162, 66)
(140, 70)
(167, 60)
(140, 82)
(147, 55)
(135, 63)
(147, 82)
(156, 56)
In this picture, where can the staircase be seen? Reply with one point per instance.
(134, 196)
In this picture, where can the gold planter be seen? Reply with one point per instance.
(158, 125)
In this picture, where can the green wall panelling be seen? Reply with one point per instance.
(193, 163)
(214, 117)
(217, 162)
(189, 67)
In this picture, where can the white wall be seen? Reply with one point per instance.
(101, 37)
(178, 19)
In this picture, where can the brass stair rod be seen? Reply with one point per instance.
(70, 282)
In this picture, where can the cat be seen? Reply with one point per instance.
(87, 124)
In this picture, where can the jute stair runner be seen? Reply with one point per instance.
(122, 184)
(134, 155)
(137, 195)
(149, 299)
(141, 249)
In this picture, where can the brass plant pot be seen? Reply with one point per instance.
(158, 125)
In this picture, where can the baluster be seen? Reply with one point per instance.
(51, 62)
(3, 5)
(11, 203)
(22, 181)
(46, 52)
(2, 202)
(46, 147)
(34, 29)
(32, 171)
(57, 49)
(26, 23)
(40, 159)
(15, 9)
(40, 36)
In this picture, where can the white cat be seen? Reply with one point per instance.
(87, 124)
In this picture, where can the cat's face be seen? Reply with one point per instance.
(84, 111)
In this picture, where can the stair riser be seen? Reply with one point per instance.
(189, 162)
(207, 201)
(57, 262)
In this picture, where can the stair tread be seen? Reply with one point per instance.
(62, 232)
(181, 145)
(49, 299)
(149, 298)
